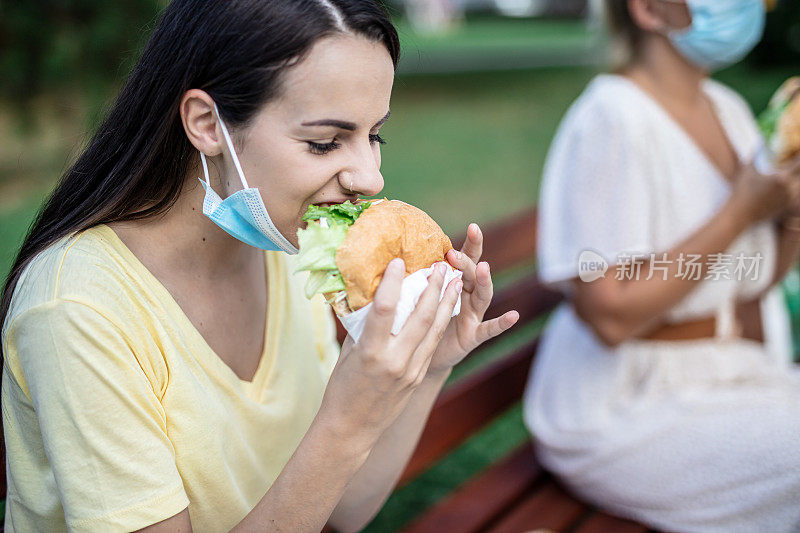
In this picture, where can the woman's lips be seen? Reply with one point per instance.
(334, 202)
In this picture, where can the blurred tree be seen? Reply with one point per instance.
(781, 42)
(48, 46)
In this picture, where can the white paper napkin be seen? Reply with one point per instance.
(412, 288)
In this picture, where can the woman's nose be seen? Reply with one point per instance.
(363, 176)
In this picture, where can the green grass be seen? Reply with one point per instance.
(491, 34)
(13, 225)
(471, 147)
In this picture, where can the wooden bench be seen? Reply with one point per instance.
(514, 494)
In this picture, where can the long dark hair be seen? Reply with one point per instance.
(235, 50)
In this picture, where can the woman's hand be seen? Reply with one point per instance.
(468, 330)
(763, 196)
(791, 171)
(374, 378)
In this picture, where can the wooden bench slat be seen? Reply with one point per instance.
(528, 296)
(467, 406)
(509, 242)
(484, 498)
(601, 522)
(549, 507)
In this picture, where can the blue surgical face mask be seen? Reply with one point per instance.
(722, 31)
(242, 214)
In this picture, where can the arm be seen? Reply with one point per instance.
(307, 489)
(619, 309)
(367, 490)
(374, 482)
(789, 226)
(372, 485)
(788, 247)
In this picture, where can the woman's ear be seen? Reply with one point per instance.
(199, 122)
(659, 16)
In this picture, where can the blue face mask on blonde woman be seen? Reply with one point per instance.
(721, 33)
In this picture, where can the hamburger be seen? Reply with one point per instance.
(347, 247)
(780, 123)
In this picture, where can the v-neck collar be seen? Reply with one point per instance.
(275, 298)
(681, 131)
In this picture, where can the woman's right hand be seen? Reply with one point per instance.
(763, 196)
(374, 378)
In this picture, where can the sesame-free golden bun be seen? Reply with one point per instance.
(786, 141)
(384, 231)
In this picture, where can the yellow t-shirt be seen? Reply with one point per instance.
(117, 413)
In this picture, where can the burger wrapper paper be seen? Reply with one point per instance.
(412, 288)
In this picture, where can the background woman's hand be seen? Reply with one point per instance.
(792, 173)
(763, 196)
(468, 330)
(374, 378)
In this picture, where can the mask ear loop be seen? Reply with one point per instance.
(229, 142)
(205, 168)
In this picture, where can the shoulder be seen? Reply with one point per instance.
(609, 104)
(85, 267)
(81, 300)
(728, 99)
(738, 117)
(724, 93)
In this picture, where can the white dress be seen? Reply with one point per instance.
(696, 435)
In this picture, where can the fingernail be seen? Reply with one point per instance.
(458, 255)
(440, 269)
(459, 285)
(396, 264)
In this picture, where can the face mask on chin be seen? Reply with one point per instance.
(243, 214)
(722, 32)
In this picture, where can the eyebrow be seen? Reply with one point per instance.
(343, 124)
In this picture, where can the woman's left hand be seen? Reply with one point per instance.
(468, 330)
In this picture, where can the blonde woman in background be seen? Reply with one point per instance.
(668, 396)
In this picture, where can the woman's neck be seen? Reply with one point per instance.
(186, 239)
(664, 72)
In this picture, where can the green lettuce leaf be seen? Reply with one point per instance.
(322, 281)
(318, 246)
(319, 242)
(768, 120)
(345, 213)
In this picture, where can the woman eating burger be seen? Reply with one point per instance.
(164, 370)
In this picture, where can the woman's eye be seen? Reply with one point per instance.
(375, 138)
(322, 148)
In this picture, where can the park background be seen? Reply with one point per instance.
(480, 90)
